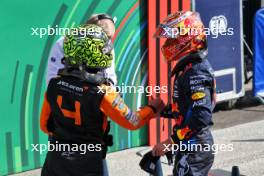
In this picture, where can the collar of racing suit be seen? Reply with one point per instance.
(97, 78)
(191, 58)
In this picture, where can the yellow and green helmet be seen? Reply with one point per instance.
(88, 46)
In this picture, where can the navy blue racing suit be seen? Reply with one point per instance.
(193, 103)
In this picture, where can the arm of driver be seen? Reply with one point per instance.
(44, 116)
(113, 106)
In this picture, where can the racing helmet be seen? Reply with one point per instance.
(184, 33)
(89, 47)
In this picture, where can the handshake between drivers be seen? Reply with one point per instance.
(157, 104)
(165, 111)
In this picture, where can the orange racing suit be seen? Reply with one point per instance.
(75, 112)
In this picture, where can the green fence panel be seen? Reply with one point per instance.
(23, 69)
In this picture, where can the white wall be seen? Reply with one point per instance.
(262, 3)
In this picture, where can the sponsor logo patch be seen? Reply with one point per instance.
(70, 86)
(198, 95)
(199, 103)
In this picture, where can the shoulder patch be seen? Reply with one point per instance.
(198, 95)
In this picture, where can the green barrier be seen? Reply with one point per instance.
(23, 69)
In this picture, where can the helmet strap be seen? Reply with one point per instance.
(108, 47)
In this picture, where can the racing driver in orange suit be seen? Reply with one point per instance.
(78, 101)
